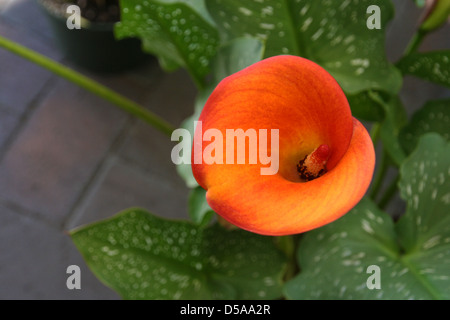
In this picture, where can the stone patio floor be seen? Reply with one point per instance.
(68, 158)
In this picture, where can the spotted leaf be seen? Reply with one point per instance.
(332, 33)
(199, 210)
(413, 255)
(178, 34)
(433, 117)
(431, 66)
(142, 256)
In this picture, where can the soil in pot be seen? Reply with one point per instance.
(94, 46)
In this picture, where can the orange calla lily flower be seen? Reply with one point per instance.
(326, 157)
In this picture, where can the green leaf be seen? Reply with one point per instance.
(425, 185)
(424, 231)
(431, 66)
(332, 33)
(176, 33)
(364, 107)
(413, 255)
(142, 256)
(197, 5)
(237, 55)
(434, 116)
(199, 210)
(420, 3)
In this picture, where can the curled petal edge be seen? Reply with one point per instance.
(274, 206)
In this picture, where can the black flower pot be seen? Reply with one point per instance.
(94, 46)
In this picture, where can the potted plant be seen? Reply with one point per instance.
(93, 46)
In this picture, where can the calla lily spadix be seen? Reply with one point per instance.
(326, 157)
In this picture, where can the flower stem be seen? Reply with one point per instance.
(288, 245)
(379, 175)
(390, 192)
(375, 132)
(415, 42)
(89, 84)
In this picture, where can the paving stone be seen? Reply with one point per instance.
(58, 150)
(151, 151)
(137, 84)
(62, 159)
(28, 13)
(21, 80)
(4, 4)
(173, 99)
(416, 92)
(8, 122)
(401, 28)
(33, 262)
(123, 186)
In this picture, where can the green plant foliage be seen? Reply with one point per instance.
(332, 33)
(334, 259)
(199, 210)
(425, 186)
(142, 256)
(236, 55)
(434, 116)
(420, 3)
(364, 107)
(176, 33)
(431, 66)
(395, 120)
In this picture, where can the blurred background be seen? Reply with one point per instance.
(68, 158)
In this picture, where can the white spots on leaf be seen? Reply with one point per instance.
(349, 262)
(342, 291)
(267, 26)
(245, 11)
(306, 24)
(350, 49)
(317, 34)
(360, 62)
(346, 253)
(415, 202)
(441, 178)
(344, 5)
(446, 198)
(323, 22)
(267, 11)
(430, 243)
(336, 40)
(304, 10)
(349, 39)
(367, 227)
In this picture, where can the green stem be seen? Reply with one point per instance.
(287, 244)
(379, 175)
(375, 133)
(90, 85)
(415, 42)
(391, 190)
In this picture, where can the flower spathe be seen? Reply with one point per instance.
(317, 132)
